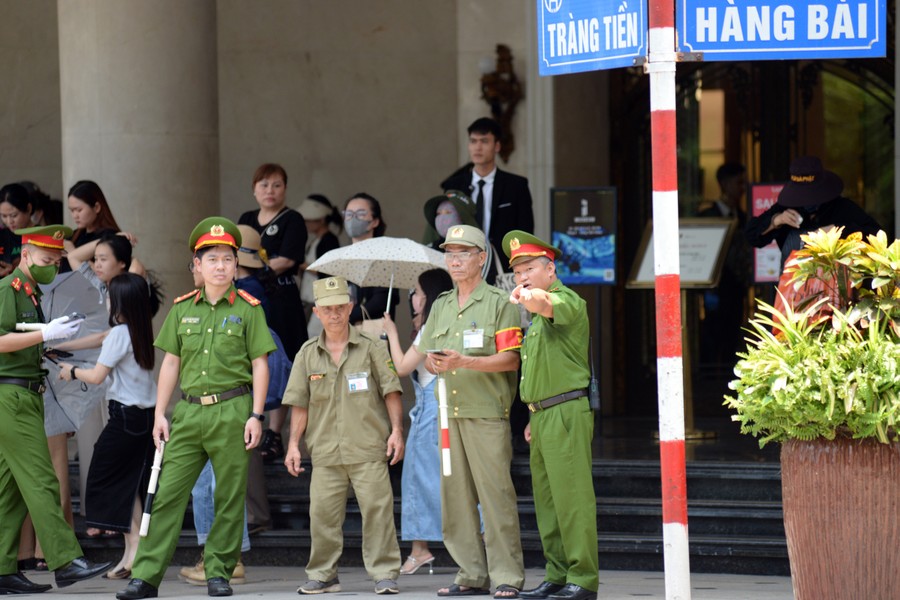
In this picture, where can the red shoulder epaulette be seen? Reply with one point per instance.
(186, 296)
(248, 298)
(16, 284)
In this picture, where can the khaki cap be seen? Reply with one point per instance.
(464, 235)
(331, 291)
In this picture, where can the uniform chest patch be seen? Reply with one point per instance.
(191, 320)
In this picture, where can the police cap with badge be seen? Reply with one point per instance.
(520, 246)
(215, 231)
(47, 236)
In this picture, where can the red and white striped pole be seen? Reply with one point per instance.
(661, 68)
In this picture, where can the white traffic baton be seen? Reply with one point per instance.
(445, 425)
(151, 489)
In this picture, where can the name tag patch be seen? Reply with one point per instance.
(190, 320)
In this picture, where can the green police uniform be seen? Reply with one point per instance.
(28, 483)
(346, 434)
(478, 405)
(555, 361)
(216, 344)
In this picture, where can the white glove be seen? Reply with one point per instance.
(61, 328)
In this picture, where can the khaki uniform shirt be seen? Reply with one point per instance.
(488, 324)
(20, 302)
(555, 351)
(216, 342)
(348, 422)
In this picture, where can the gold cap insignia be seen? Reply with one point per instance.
(58, 235)
(514, 244)
(217, 231)
(331, 283)
(457, 232)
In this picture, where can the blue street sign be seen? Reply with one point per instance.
(588, 35)
(782, 29)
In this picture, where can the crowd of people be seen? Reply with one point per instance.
(261, 339)
(263, 344)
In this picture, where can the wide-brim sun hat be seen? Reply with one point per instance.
(810, 184)
(465, 207)
(313, 211)
(251, 254)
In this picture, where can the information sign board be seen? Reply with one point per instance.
(782, 29)
(589, 35)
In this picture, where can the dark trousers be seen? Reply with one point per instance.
(120, 467)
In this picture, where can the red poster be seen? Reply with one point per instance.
(767, 260)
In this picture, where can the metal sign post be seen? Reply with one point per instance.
(660, 66)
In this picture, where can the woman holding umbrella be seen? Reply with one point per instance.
(420, 517)
(363, 221)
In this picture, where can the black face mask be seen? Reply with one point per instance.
(810, 210)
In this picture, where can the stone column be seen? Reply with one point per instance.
(139, 110)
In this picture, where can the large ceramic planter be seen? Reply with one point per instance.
(842, 518)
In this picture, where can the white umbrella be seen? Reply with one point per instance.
(380, 262)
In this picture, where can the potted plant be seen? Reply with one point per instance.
(821, 375)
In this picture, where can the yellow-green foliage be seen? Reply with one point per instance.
(837, 374)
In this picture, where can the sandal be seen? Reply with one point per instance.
(413, 564)
(122, 573)
(506, 591)
(458, 590)
(41, 565)
(94, 533)
(271, 447)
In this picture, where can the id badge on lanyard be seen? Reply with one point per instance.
(473, 338)
(357, 382)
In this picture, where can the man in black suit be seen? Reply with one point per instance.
(503, 202)
(721, 333)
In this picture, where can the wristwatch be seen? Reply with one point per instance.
(258, 416)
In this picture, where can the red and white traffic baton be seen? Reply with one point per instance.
(445, 425)
(151, 489)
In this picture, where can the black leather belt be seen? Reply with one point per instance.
(31, 386)
(558, 399)
(216, 398)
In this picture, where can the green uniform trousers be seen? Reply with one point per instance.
(198, 433)
(480, 457)
(564, 500)
(328, 490)
(28, 482)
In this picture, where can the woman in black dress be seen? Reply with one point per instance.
(283, 235)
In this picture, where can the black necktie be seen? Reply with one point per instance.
(479, 203)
